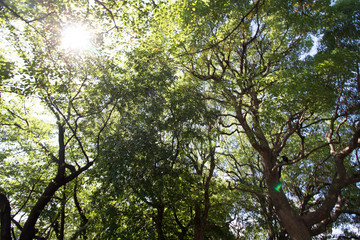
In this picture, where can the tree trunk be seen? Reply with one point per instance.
(292, 222)
(158, 222)
(5, 218)
(62, 215)
(84, 220)
(199, 231)
(28, 231)
(201, 216)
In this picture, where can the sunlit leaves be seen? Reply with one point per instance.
(175, 82)
(344, 29)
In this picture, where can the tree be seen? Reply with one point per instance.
(5, 217)
(248, 55)
(180, 119)
(65, 89)
(74, 154)
(159, 153)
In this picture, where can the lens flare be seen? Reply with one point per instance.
(278, 187)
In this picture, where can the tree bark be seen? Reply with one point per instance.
(199, 231)
(5, 218)
(158, 222)
(201, 216)
(84, 219)
(292, 221)
(28, 232)
(62, 215)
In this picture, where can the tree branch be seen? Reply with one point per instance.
(21, 18)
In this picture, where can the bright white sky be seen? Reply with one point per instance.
(313, 50)
(75, 37)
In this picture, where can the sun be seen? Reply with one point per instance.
(75, 37)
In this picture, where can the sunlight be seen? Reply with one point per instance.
(75, 37)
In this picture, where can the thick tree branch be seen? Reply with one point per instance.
(5, 218)
(321, 227)
(84, 219)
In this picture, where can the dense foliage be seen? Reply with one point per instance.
(189, 119)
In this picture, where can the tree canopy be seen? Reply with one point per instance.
(189, 119)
